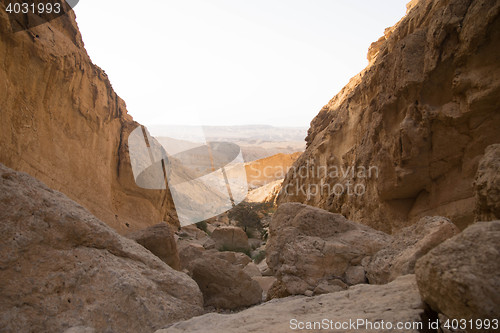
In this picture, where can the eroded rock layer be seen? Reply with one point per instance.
(63, 124)
(409, 130)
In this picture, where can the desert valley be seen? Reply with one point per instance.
(382, 216)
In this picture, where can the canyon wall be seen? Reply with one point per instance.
(269, 169)
(63, 124)
(419, 117)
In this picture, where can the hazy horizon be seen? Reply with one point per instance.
(195, 133)
(231, 62)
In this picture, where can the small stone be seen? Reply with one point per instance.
(230, 238)
(355, 275)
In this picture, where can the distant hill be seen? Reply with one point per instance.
(255, 141)
(235, 133)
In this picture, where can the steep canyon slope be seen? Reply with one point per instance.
(63, 123)
(420, 116)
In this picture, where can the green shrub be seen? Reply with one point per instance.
(245, 216)
(249, 233)
(202, 225)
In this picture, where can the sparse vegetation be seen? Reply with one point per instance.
(202, 225)
(249, 216)
(249, 233)
(245, 215)
(264, 234)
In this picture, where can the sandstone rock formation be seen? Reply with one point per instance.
(252, 270)
(60, 267)
(461, 277)
(80, 329)
(63, 124)
(235, 258)
(264, 269)
(364, 302)
(188, 252)
(230, 238)
(355, 275)
(253, 150)
(221, 276)
(487, 185)
(308, 246)
(419, 117)
(406, 247)
(223, 284)
(159, 239)
(269, 169)
(267, 193)
(278, 290)
(265, 282)
(192, 232)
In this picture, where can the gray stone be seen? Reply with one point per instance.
(461, 277)
(308, 245)
(230, 238)
(406, 247)
(398, 301)
(355, 275)
(252, 270)
(159, 239)
(61, 267)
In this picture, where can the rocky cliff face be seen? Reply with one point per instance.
(63, 123)
(269, 169)
(403, 139)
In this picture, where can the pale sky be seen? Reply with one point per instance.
(231, 62)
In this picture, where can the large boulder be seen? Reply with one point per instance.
(461, 277)
(308, 246)
(235, 258)
(188, 252)
(230, 238)
(396, 302)
(407, 246)
(192, 232)
(487, 185)
(224, 285)
(61, 267)
(159, 239)
(221, 276)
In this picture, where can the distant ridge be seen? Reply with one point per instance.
(238, 132)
